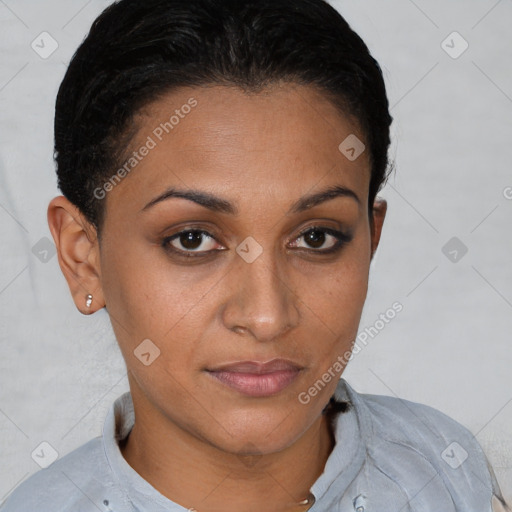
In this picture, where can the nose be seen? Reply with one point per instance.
(261, 300)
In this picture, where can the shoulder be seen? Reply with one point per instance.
(424, 429)
(399, 419)
(415, 435)
(77, 481)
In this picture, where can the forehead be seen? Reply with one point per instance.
(278, 143)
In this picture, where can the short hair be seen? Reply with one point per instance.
(137, 51)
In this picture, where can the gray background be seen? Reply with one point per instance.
(452, 144)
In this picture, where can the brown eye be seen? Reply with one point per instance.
(322, 240)
(314, 238)
(190, 241)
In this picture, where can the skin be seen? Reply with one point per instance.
(198, 442)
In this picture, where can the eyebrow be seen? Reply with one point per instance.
(220, 205)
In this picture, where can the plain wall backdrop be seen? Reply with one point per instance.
(445, 253)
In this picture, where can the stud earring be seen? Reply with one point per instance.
(88, 300)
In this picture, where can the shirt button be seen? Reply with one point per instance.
(360, 503)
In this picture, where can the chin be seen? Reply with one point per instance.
(263, 432)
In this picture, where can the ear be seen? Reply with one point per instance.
(380, 207)
(78, 252)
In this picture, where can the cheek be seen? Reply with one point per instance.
(335, 301)
(338, 291)
(149, 298)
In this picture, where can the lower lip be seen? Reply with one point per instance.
(257, 385)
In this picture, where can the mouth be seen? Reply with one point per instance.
(256, 379)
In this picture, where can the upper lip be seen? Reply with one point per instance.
(257, 367)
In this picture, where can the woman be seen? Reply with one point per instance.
(220, 164)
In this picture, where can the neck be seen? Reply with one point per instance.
(196, 475)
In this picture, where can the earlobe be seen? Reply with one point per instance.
(378, 215)
(78, 253)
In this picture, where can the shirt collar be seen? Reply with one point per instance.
(138, 492)
(341, 468)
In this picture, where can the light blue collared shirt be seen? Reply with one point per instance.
(390, 455)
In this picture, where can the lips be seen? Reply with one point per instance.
(257, 379)
(259, 368)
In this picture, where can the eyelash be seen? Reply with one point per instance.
(342, 239)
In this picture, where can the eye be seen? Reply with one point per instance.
(317, 237)
(190, 241)
(198, 243)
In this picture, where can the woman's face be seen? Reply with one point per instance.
(259, 272)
